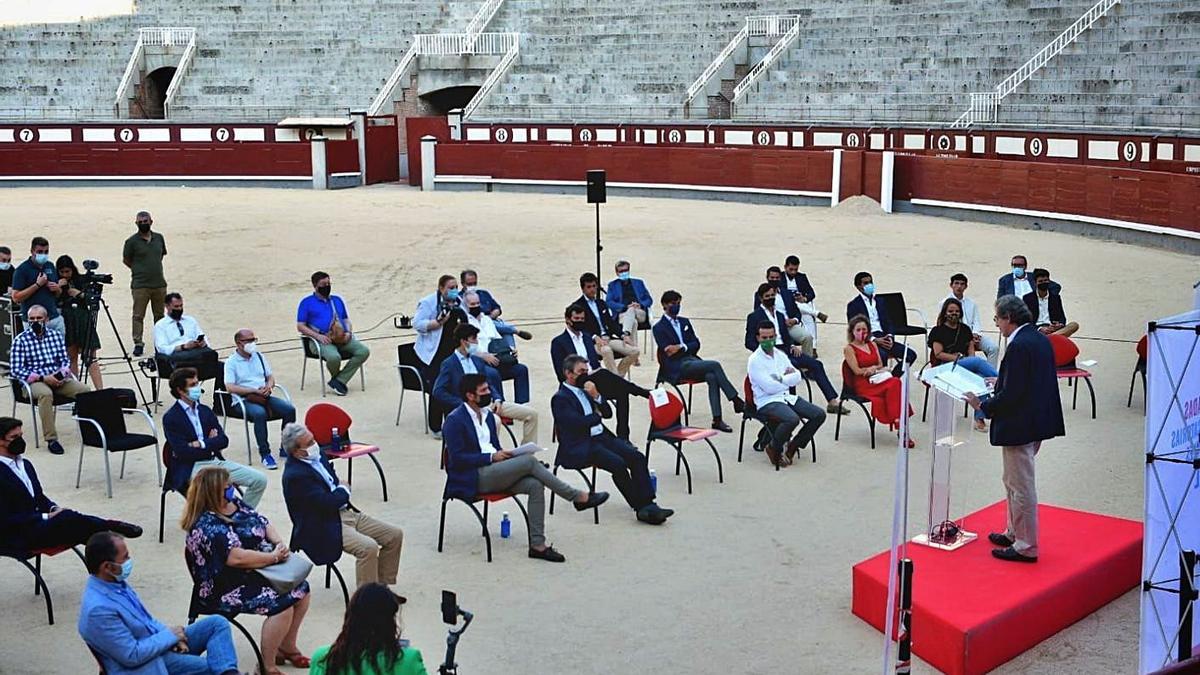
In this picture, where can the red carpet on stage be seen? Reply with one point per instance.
(972, 612)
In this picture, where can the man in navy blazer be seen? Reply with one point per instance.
(475, 467)
(1025, 410)
(583, 441)
(1046, 307)
(810, 367)
(464, 360)
(882, 326)
(612, 339)
(785, 303)
(490, 306)
(679, 358)
(195, 438)
(576, 340)
(324, 522)
(28, 518)
(1019, 282)
(628, 300)
(127, 639)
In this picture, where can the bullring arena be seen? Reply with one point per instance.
(834, 162)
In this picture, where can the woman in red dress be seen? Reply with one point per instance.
(862, 360)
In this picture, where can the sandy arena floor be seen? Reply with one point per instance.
(752, 576)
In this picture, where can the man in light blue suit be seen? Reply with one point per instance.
(125, 638)
(629, 300)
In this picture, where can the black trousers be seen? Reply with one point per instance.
(617, 389)
(68, 528)
(203, 359)
(627, 466)
(712, 373)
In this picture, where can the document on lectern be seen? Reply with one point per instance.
(956, 382)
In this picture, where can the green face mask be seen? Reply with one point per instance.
(767, 345)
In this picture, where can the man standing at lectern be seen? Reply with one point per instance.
(1025, 410)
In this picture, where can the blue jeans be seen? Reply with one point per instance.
(520, 378)
(211, 637)
(506, 331)
(980, 367)
(258, 415)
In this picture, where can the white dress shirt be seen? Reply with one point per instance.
(17, 465)
(193, 415)
(674, 321)
(596, 313)
(170, 335)
(587, 408)
(970, 313)
(872, 313)
(482, 432)
(767, 378)
(487, 329)
(1021, 286)
(1044, 310)
(580, 347)
(771, 318)
(465, 361)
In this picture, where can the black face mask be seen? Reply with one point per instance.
(475, 311)
(17, 446)
(581, 380)
(176, 314)
(484, 401)
(324, 291)
(37, 327)
(579, 325)
(1043, 285)
(143, 228)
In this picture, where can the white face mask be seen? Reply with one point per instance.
(250, 347)
(314, 451)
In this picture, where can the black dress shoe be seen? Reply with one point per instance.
(665, 513)
(138, 350)
(1010, 554)
(524, 335)
(721, 426)
(547, 554)
(739, 406)
(651, 516)
(594, 499)
(127, 530)
(1000, 539)
(55, 448)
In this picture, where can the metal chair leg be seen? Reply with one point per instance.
(720, 469)
(741, 438)
(687, 467)
(253, 645)
(525, 515)
(107, 472)
(303, 370)
(39, 582)
(162, 513)
(442, 525)
(79, 470)
(1092, 394)
(341, 582)
(382, 478)
(400, 406)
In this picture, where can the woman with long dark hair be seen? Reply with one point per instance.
(77, 319)
(369, 643)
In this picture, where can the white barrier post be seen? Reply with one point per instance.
(455, 119)
(360, 133)
(320, 177)
(428, 166)
(836, 190)
(887, 178)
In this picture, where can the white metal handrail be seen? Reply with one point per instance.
(167, 37)
(442, 44)
(130, 69)
(185, 63)
(385, 95)
(772, 56)
(483, 16)
(713, 67)
(493, 78)
(771, 26)
(984, 105)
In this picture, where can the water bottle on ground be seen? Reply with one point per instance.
(653, 483)
(505, 526)
(336, 442)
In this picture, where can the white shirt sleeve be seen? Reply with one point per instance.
(761, 372)
(166, 336)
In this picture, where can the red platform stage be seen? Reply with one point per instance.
(972, 612)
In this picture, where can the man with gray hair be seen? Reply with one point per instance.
(39, 358)
(324, 522)
(143, 255)
(1025, 410)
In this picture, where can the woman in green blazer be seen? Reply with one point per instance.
(369, 643)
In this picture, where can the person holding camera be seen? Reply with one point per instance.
(179, 339)
(39, 357)
(143, 254)
(35, 282)
(437, 315)
(80, 327)
(322, 316)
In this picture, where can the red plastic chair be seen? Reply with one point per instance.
(659, 379)
(1139, 368)
(590, 482)
(666, 426)
(848, 394)
(35, 568)
(487, 498)
(1065, 351)
(750, 412)
(321, 419)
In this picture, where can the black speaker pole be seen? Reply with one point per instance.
(598, 246)
(904, 631)
(1187, 599)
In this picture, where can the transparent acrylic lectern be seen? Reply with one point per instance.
(947, 387)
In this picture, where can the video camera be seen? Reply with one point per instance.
(92, 277)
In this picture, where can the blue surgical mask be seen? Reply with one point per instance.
(452, 294)
(126, 570)
(472, 348)
(230, 493)
(195, 392)
(41, 258)
(5, 266)
(869, 289)
(1019, 272)
(623, 276)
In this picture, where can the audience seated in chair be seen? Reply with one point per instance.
(970, 317)
(1045, 304)
(495, 351)
(611, 339)
(476, 465)
(491, 308)
(467, 359)
(951, 341)
(437, 315)
(248, 375)
(628, 300)
(30, 520)
(1018, 282)
(180, 340)
(127, 639)
(227, 541)
(325, 523)
(680, 347)
(322, 316)
(370, 641)
(583, 441)
(785, 304)
(576, 340)
(864, 362)
(39, 359)
(196, 439)
(772, 375)
(796, 282)
(882, 326)
(810, 367)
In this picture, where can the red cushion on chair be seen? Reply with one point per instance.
(321, 418)
(1064, 373)
(666, 415)
(493, 496)
(354, 450)
(1065, 350)
(1142, 346)
(49, 550)
(687, 434)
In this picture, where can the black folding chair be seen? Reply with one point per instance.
(198, 607)
(102, 425)
(410, 368)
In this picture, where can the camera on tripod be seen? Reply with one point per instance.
(92, 277)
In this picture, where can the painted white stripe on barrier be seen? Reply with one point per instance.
(1165, 152)
(978, 145)
(1191, 153)
(606, 135)
(7, 136)
(735, 137)
(914, 141)
(1010, 145)
(781, 138)
(290, 135)
(559, 135)
(1062, 147)
(960, 143)
(54, 135)
(797, 139)
(649, 186)
(195, 135)
(1102, 149)
(533, 133)
(93, 135)
(1123, 224)
(147, 135)
(650, 136)
(827, 138)
(248, 134)
(520, 135)
(1145, 152)
(473, 134)
(693, 135)
(877, 142)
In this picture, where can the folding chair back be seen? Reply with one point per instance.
(321, 419)
(894, 307)
(848, 381)
(222, 399)
(748, 393)
(104, 406)
(410, 375)
(665, 415)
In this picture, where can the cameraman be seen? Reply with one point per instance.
(437, 315)
(179, 339)
(80, 326)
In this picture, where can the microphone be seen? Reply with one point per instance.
(956, 358)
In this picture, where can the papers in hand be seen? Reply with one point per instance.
(525, 449)
(880, 377)
(956, 382)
